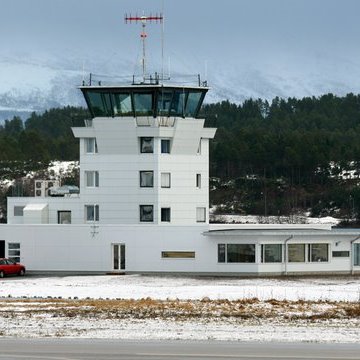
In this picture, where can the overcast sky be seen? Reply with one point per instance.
(221, 33)
(208, 28)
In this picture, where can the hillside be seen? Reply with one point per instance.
(279, 158)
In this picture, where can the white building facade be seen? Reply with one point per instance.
(143, 202)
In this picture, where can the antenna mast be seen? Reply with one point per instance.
(143, 19)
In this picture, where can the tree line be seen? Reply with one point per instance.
(31, 145)
(288, 155)
(267, 158)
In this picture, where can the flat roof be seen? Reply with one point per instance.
(278, 230)
(144, 86)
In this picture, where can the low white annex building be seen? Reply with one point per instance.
(143, 201)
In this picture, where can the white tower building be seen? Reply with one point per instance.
(145, 155)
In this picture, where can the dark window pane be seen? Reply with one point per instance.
(122, 257)
(165, 214)
(319, 252)
(122, 105)
(271, 253)
(91, 145)
(177, 104)
(64, 217)
(13, 246)
(146, 213)
(92, 212)
(221, 253)
(198, 181)
(165, 146)
(99, 103)
(146, 178)
(192, 103)
(296, 252)
(341, 253)
(243, 253)
(146, 145)
(19, 210)
(143, 104)
(357, 254)
(116, 257)
(164, 101)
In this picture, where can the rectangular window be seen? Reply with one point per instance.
(19, 210)
(165, 180)
(318, 252)
(178, 254)
(200, 214)
(91, 146)
(198, 181)
(146, 213)
(165, 214)
(221, 253)
(198, 152)
(14, 251)
(240, 253)
(165, 146)
(146, 145)
(146, 179)
(341, 254)
(143, 104)
(122, 104)
(64, 217)
(92, 178)
(192, 103)
(177, 103)
(357, 254)
(92, 212)
(271, 253)
(99, 103)
(296, 253)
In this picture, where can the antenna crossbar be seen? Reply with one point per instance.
(144, 20)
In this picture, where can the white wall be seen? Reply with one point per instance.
(87, 248)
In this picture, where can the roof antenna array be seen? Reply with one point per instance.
(144, 20)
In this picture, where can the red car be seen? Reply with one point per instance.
(10, 267)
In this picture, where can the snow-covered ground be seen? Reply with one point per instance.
(187, 288)
(254, 219)
(303, 316)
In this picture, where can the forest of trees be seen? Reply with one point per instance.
(287, 156)
(277, 158)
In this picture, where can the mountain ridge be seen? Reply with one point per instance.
(34, 85)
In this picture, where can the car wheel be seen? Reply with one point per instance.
(22, 272)
(1, 274)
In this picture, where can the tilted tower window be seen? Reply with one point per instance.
(144, 101)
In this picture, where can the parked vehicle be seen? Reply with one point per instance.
(10, 267)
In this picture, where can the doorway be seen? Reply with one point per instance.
(2, 248)
(118, 252)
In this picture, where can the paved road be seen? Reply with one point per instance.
(74, 349)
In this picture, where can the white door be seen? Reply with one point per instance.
(118, 251)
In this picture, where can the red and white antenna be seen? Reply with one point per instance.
(144, 20)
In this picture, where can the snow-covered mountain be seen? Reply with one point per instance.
(28, 84)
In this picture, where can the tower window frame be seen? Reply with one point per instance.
(146, 178)
(146, 145)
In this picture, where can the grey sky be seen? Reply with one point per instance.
(206, 27)
(229, 34)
